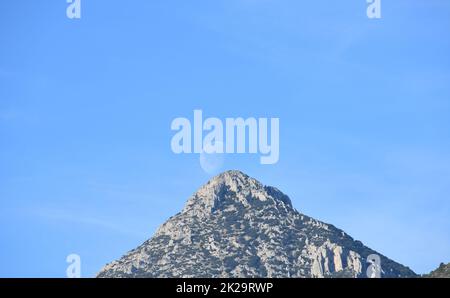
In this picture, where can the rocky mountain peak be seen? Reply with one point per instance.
(233, 187)
(234, 226)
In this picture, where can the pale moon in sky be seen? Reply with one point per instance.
(212, 163)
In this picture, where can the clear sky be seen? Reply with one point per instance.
(86, 107)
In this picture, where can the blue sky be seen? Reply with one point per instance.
(86, 107)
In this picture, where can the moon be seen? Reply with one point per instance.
(213, 162)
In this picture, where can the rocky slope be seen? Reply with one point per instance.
(442, 272)
(234, 226)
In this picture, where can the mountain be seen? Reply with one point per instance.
(234, 226)
(443, 271)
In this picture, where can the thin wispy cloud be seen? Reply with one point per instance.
(75, 217)
(8, 114)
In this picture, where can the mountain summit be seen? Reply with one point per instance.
(234, 226)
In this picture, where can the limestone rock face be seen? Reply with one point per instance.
(234, 226)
